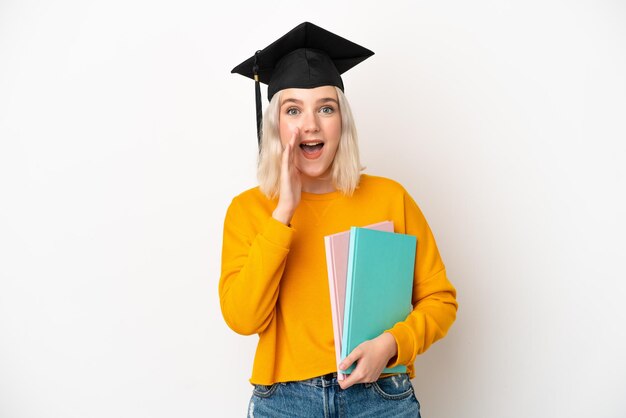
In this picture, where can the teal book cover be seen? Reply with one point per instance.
(379, 286)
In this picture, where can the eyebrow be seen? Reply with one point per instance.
(322, 100)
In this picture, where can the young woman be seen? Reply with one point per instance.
(274, 279)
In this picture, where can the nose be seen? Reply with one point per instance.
(310, 122)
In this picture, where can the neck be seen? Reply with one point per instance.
(317, 185)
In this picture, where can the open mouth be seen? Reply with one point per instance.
(312, 149)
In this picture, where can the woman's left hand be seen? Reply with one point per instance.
(373, 356)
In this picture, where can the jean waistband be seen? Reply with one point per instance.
(328, 379)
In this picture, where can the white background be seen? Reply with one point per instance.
(123, 138)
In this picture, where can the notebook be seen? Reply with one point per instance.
(379, 285)
(337, 264)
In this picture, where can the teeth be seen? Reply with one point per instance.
(311, 144)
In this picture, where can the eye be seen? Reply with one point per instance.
(292, 111)
(327, 110)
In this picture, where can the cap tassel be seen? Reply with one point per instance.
(257, 93)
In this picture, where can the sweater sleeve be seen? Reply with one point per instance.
(434, 297)
(252, 266)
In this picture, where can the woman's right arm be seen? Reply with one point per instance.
(252, 266)
(253, 261)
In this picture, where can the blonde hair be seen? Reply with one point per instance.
(346, 166)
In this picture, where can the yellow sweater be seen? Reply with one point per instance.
(274, 280)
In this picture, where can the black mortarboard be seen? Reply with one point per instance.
(305, 57)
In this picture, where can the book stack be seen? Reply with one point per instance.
(370, 276)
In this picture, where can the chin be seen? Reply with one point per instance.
(312, 170)
(317, 175)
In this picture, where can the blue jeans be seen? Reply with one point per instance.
(322, 397)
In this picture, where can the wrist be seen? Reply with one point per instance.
(392, 346)
(282, 216)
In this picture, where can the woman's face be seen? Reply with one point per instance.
(315, 112)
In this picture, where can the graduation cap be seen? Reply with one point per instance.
(305, 57)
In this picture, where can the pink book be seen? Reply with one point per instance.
(337, 263)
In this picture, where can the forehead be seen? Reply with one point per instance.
(309, 95)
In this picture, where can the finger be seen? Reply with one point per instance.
(292, 143)
(285, 157)
(290, 157)
(345, 383)
(352, 357)
(351, 379)
(294, 136)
